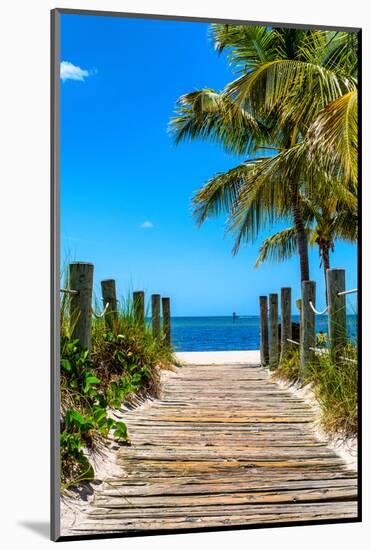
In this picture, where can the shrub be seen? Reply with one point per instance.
(335, 386)
(289, 368)
(123, 366)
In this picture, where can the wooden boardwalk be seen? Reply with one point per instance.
(223, 446)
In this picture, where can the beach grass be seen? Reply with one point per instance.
(334, 384)
(122, 368)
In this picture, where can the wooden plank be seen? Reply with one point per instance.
(185, 487)
(248, 515)
(222, 446)
(226, 499)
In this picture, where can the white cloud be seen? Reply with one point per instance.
(147, 225)
(69, 71)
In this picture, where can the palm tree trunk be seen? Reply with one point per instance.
(301, 237)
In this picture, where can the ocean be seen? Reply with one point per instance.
(222, 334)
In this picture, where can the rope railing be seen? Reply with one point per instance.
(100, 315)
(281, 333)
(352, 291)
(349, 359)
(322, 350)
(96, 315)
(318, 350)
(293, 342)
(81, 308)
(344, 292)
(75, 292)
(68, 291)
(316, 310)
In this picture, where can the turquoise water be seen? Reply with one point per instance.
(220, 333)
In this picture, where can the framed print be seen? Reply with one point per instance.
(205, 274)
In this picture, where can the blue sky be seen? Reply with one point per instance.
(126, 188)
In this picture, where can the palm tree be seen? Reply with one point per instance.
(333, 137)
(323, 224)
(288, 78)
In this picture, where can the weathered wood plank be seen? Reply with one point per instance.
(248, 515)
(224, 445)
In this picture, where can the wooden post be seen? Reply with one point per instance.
(156, 315)
(337, 328)
(298, 305)
(308, 331)
(81, 280)
(264, 344)
(109, 297)
(166, 320)
(286, 322)
(138, 303)
(273, 331)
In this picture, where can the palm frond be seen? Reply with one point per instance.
(221, 192)
(279, 247)
(246, 45)
(344, 226)
(266, 195)
(334, 50)
(296, 95)
(333, 137)
(207, 114)
(297, 90)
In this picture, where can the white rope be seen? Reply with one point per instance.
(316, 310)
(68, 291)
(323, 351)
(319, 350)
(100, 315)
(293, 342)
(348, 359)
(347, 292)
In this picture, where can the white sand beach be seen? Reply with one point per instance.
(251, 357)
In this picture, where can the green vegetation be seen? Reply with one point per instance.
(334, 386)
(123, 366)
(325, 223)
(293, 110)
